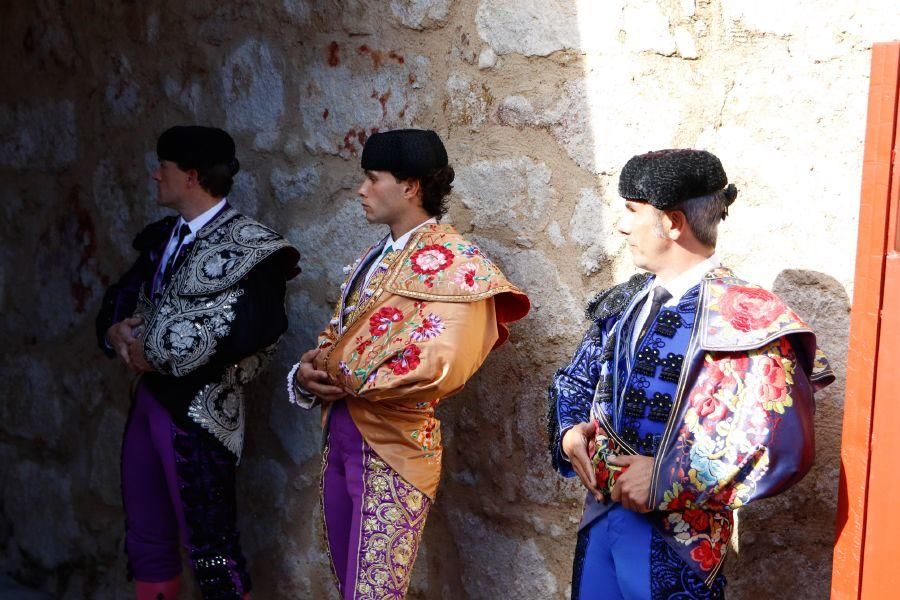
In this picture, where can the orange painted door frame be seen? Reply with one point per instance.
(867, 547)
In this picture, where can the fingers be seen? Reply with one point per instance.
(122, 349)
(585, 470)
(622, 460)
(597, 429)
(325, 391)
(134, 321)
(310, 355)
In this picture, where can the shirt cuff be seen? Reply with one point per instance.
(563, 464)
(299, 395)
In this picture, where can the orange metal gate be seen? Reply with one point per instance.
(867, 548)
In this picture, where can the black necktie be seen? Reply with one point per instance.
(660, 296)
(170, 264)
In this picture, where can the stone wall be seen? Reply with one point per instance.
(540, 103)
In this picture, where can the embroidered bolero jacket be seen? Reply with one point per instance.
(427, 321)
(741, 423)
(215, 325)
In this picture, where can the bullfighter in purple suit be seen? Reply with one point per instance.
(197, 316)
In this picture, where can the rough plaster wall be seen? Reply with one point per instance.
(540, 102)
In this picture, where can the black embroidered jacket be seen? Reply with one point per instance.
(214, 325)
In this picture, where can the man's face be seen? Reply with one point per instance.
(642, 226)
(171, 184)
(383, 197)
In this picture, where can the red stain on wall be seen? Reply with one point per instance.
(348, 144)
(325, 114)
(376, 55)
(334, 57)
(383, 99)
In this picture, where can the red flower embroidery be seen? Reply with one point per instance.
(709, 407)
(362, 346)
(406, 360)
(773, 387)
(431, 259)
(602, 475)
(719, 501)
(681, 501)
(381, 321)
(697, 519)
(750, 308)
(705, 555)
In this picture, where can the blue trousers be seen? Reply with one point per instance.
(620, 556)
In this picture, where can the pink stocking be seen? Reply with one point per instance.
(163, 590)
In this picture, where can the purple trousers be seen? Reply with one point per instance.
(373, 518)
(178, 488)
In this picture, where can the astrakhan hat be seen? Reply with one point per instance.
(666, 178)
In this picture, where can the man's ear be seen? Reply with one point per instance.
(411, 188)
(193, 178)
(677, 224)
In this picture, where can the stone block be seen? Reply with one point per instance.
(354, 90)
(38, 503)
(295, 186)
(421, 14)
(41, 137)
(468, 102)
(123, 93)
(515, 193)
(106, 455)
(528, 27)
(253, 92)
(500, 565)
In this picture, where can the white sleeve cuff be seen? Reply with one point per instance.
(298, 395)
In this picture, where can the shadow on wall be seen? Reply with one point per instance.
(773, 533)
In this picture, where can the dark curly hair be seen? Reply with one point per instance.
(216, 179)
(435, 186)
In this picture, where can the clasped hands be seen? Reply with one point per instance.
(130, 348)
(315, 381)
(632, 488)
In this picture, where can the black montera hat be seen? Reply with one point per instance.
(666, 178)
(196, 147)
(413, 152)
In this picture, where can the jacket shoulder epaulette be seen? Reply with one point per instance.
(612, 301)
(154, 234)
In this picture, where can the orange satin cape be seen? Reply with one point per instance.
(428, 323)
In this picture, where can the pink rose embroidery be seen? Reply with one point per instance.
(750, 308)
(431, 259)
(465, 277)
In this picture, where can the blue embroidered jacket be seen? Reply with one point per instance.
(740, 424)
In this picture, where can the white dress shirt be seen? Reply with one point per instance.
(196, 224)
(678, 287)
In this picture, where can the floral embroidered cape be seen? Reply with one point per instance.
(741, 427)
(424, 327)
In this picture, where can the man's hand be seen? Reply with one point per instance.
(315, 381)
(632, 487)
(577, 444)
(120, 335)
(136, 359)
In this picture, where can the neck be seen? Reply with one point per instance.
(680, 263)
(408, 222)
(196, 207)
